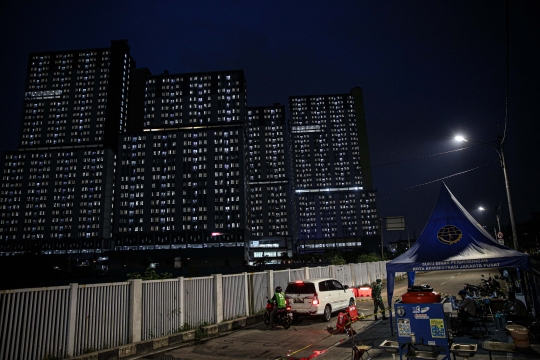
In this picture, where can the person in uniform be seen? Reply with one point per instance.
(377, 299)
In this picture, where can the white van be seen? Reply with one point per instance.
(319, 297)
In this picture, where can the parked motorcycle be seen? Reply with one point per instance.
(493, 286)
(476, 290)
(488, 288)
(283, 317)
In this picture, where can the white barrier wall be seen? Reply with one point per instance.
(257, 291)
(81, 318)
(296, 274)
(101, 316)
(200, 301)
(319, 272)
(162, 304)
(235, 287)
(34, 322)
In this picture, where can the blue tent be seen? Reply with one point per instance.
(453, 240)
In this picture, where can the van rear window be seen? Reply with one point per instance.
(301, 288)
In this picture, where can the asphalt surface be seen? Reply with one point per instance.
(310, 339)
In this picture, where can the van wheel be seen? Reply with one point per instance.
(352, 302)
(327, 313)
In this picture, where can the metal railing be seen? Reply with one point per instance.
(75, 319)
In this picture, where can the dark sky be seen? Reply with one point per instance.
(429, 70)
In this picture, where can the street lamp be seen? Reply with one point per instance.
(498, 220)
(499, 150)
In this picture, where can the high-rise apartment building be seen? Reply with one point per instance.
(56, 190)
(182, 181)
(269, 183)
(112, 157)
(335, 198)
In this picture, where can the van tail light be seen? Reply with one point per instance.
(315, 299)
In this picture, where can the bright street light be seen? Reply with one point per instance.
(499, 150)
(498, 218)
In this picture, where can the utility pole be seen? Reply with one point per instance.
(382, 246)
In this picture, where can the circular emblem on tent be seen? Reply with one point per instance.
(449, 234)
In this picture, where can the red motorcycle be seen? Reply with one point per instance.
(283, 316)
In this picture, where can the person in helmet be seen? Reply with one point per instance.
(377, 299)
(279, 302)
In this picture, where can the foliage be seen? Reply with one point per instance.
(337, 259)
(53, 356)
(371, 257)
(150, 274)
(199, 331)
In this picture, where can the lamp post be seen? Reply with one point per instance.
(499, 150)
(498, 220)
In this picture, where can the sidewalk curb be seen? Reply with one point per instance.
(173, 341)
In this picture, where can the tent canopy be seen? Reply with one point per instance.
(453, 240)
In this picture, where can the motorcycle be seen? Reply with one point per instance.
(283, 316)
(488, 288)
(476, 290)
(493, 286)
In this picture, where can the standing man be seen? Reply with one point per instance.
(377, 299)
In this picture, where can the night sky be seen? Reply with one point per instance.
(429, 70)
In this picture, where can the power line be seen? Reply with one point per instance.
(430, 182)
(423, 157)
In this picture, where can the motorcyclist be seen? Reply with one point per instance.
(280, 303)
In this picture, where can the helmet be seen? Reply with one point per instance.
(462, 292)
(379, 280)
(279, 289)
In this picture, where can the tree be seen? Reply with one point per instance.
(371, 257)
(337, 259)
(150, 274)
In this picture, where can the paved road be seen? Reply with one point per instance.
(256, 342)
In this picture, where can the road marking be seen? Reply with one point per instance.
(444, 282)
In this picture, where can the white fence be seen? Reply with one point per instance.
(75, 319)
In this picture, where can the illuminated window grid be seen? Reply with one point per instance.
(132, 199)
(226, 190)
(194, 184)
(69, 80)
(91, 193)
(63, 194)
(12, 181)
(266, 163)
(162, 212)
(193, 99)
